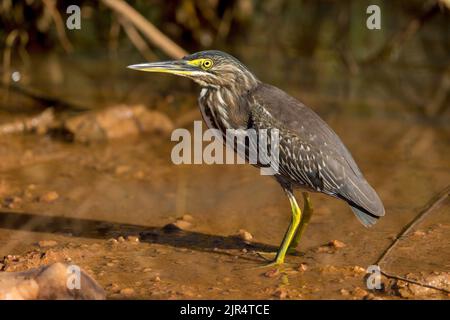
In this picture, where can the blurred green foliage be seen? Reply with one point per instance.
(317, 44)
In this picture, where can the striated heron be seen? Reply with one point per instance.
(311, 155)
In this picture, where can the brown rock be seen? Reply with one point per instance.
(344, 292)
(336, 244)
(49, 197)
(183, 224)
(47, 243)
(114, 288)
(244, 235)
(281, 293)
(419, 233)
(56, 281)
(133, 239)
(272, 273)
(12, 202)
(187, 217)
(303, 267)
(128, 292)
(359, 293)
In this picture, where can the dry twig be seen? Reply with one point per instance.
(158, 38)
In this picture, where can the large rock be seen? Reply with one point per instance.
(117, 122)
(57, 281)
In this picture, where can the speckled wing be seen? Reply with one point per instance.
(311, 154)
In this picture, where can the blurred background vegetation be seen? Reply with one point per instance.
(318, 50)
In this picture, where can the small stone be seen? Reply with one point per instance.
(134, 239)
(280, 293)
(370, 296)
(244, 235)
(358, 269)
(359, 293)
(112, 241)
(419, 233)
(121, 239)
(336, 244)
(127, 292)
(303, 267)
(183, 224)
(110, 264)
(178, 225)
(157, 279)
(12, 202)
(49, 197)
(272, 273)
(113, 288)
(47, 243)
(187, 217)
(344, 292)
(147, 270)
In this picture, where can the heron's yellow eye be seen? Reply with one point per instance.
(207, 64)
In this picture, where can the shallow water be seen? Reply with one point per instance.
(130, 187)
(406, 162)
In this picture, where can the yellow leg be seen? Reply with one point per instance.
(307, 213)
(290, 233)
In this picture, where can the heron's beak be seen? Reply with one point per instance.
(178, 67)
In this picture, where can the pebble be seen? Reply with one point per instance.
(303, 267)
(156, 279)
(127, 292)
(134, 239)
(12, 202)
(114, 288)
(244, 235)
(358, 269)
(49, 197)
(280, 293)
(272, 273)
(344, 292)
(47, 243)
(336, 244)
(419, 233)
(187, 217)
(147, 270)
(112, 241)
(359, 293)
(177, 226)
(183, 224)
(121, 239)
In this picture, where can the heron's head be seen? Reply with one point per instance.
(208, 68)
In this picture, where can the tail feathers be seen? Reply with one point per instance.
(364, 217)
(363, 200)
